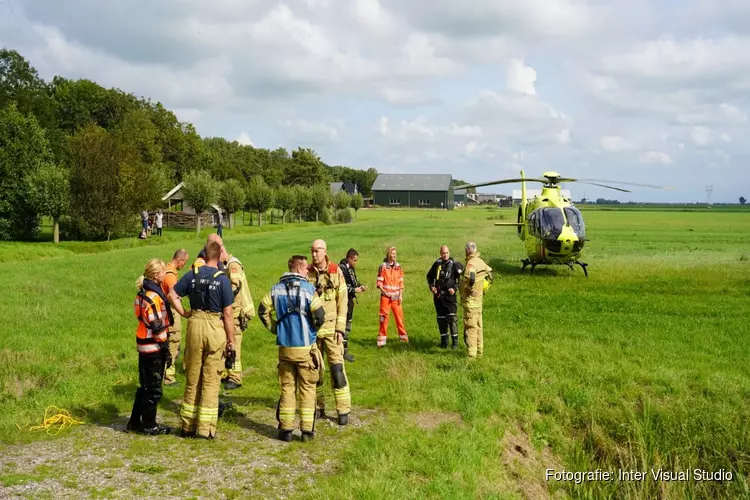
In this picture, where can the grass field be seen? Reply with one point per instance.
(644, 365)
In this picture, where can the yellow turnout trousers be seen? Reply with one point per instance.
(334, 353)
(235, 374)
(175, 335)
(204, 362)
(473, 331)
(299, 371)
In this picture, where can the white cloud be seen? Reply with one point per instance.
(476, 89)
(701, 136)
(657, 157)
(312, 130)
(689, 62)
(520, 78)
(615, 143)
(244, 139)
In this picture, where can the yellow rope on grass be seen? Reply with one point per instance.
(53, 423)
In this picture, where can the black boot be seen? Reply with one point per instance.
(285, 436)
(454, 334)
(307, 436)
(344, 419)
(348, 357)
(321, 413)
(443, 340)
(157, 430)
(454, 339)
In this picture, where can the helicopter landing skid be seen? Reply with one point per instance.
(527, 262)
(582, 264)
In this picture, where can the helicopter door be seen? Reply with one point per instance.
(552, 223)
(575, 219)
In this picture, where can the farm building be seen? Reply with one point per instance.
(413, 190)
(530, 193)
(349, 187)
(459, 196)
(179, 213)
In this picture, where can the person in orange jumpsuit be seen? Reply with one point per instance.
(391, 286)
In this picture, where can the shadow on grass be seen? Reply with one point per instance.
(504, 267)
(246, 422)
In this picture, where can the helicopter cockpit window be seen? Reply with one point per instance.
(552, 222)
(575, 219)
(536, 229)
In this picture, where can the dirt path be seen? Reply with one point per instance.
(245, 460)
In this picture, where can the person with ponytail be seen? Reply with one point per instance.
(154, 314)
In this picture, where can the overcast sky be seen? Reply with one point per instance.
(631, 90)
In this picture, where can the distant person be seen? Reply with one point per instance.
(179, 259)
(154, 319)
(472, 287)
(353, 287)
(159, 220)
(144, 221)
(210, 334)
(298, 313)
(443, 278)
(330, 285)
(391, 286)
(220, 227)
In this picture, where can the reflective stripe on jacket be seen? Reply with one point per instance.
(391, 278)
(153, 322)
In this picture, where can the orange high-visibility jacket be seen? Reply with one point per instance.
(391, 279)
(153, 322)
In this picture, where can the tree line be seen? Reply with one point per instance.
(92, 158)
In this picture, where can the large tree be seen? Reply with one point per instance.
(259, 197)
(231, 198)
(305, 169)
(23, 149)
(49, 189)
(285, 200)
(320, 198)
(200, 192)
(106, 184)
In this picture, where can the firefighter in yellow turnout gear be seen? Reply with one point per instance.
(175, 330)
(210, 333)
(242, 311)
(475, 280)
(329, 282)
(299, 312)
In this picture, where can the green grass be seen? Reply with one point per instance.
(641, 366)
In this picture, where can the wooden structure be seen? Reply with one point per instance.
(180, 214)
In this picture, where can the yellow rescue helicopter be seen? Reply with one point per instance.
(551, 228)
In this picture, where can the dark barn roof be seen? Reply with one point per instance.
(412, 182)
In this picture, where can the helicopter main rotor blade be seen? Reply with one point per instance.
(605, 186)
(502, 181)
(625, 183)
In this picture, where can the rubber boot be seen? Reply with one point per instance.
(348, 357)
(344, 419)
(307, 436)
(444, 340)
(454, 335)
(285, 436)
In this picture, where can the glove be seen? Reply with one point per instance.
(339, 336)
(231, 356)
(166, 354)
(243, 322)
